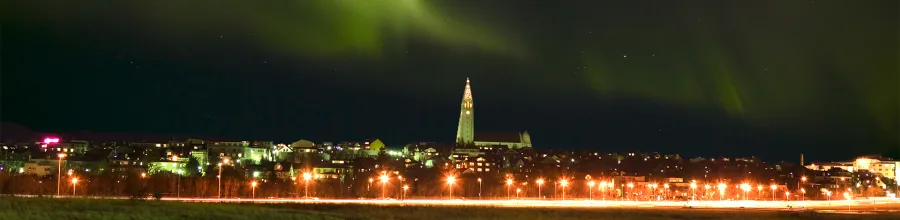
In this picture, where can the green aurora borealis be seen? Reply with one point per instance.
(831, 66)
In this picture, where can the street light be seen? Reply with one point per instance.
(722, 187)
(802, 194)
(306, 177)
(221, 165)
(693, 188)
(517, 192)
(563, 184)
(540, 183)
(178, 184)
(253, 189)
(59, 172)
(630, 187)
(759, 189)
(746, 188)
(384, 180)
(479, 187)
(787, 196)
(591, 191)
(509, 183)
(603, 190)
(802, 180)
(666, 186)
(773, 187)
(706, 190)
(450, 181)
(74, 183)
(403, 196)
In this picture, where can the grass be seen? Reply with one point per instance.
(98, 209)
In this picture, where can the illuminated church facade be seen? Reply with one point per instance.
(465, 131)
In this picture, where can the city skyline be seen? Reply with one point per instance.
(697, 78)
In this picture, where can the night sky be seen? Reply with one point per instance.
(771, 78)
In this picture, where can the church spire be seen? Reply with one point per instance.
(465, 131)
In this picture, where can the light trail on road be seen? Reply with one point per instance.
(748, 204)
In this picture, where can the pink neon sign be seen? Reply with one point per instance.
(51, 140)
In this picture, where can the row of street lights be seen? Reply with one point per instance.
(451, 180)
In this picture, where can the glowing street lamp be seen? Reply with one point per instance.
(178, 184)
(540, 183)
(517, 192)
(773, 187)
(591, 191)
(253, 188)
(802, 180)
(722, 187)
(221, 165)
(403, 196)
(630, 187)
(59, 172)
(706, 190)
(384, 180)
(759, 189)
(746, 188)
(509, 183)
(74, 183)
(666, 186)
(563, 184)
(603, 190)
(450, 181)
(693, 188)
(787, 196)
(306, 178)
(802, 194)
(479, 187)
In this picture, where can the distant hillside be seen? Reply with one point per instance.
(16, 132)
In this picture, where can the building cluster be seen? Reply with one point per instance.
(494, 160)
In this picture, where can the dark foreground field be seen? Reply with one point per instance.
(97, 209)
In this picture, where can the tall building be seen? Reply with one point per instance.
(465, 131)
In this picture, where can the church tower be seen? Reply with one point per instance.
(465, 132)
